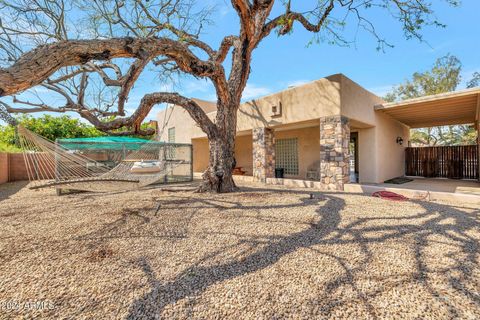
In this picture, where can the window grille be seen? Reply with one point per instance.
(286, 155)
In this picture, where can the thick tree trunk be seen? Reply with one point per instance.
(218, 176)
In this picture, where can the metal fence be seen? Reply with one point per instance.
(177, 157)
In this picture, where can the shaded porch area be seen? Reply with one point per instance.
(295, 148)
(441, 161)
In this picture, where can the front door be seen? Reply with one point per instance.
(353, 148)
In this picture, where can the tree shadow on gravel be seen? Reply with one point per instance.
(9, 189)
(197, 279)
(135, 224)
(448, 222)
(437, 222)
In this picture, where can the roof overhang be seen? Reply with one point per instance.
(459, 107)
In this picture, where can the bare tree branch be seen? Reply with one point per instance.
(164, 34)
(36, 66)
(129, 80)
(146, 104)
(286, 21)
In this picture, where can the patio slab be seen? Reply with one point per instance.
(426, 189)
(439, 185)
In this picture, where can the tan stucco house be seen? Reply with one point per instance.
(331, 130)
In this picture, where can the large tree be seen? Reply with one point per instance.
(444, 76)
(68, 47)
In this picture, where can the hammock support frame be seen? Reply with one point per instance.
(67, 165)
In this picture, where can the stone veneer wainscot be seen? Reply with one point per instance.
(334, 153)
(263, 154)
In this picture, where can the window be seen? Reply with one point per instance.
(286, 155)
(171, 135)
(171, 148)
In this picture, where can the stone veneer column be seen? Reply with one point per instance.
(263, 154)
(334, 153)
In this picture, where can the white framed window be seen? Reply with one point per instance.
(286, 155)
(171, 148)
(171, 135)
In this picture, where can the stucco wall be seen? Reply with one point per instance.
(380, 157)
(244, 153)
(390, 155)
(185, 128)
(310, 101)
(367, 161)
(200, 154)
(358, 103)
(308, 150)
(176, 117)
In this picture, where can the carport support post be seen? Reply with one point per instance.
(477, 126)
(263, 140)
(334, 153)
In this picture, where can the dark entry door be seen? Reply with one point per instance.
(354, 172)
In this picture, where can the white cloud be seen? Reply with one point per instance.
(167, 87)
(224, 10)
(253, 91)
(199, 86)
(441, 46)
(381, 90)
(297, 83)
(40, 89)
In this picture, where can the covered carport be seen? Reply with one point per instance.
(453, 108)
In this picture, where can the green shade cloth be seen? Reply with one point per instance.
(104, 143)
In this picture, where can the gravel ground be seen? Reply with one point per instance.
(256, 254)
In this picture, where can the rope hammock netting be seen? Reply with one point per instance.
(49, 164)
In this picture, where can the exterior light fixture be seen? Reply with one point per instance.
(400, 140)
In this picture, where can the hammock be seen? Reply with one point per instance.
(49, 164)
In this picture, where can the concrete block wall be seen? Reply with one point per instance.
(17, 168)
(13, 168)
(4, 167)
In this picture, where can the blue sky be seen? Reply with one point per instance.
(283, 61)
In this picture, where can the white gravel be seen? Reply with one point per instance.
(256, 254)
